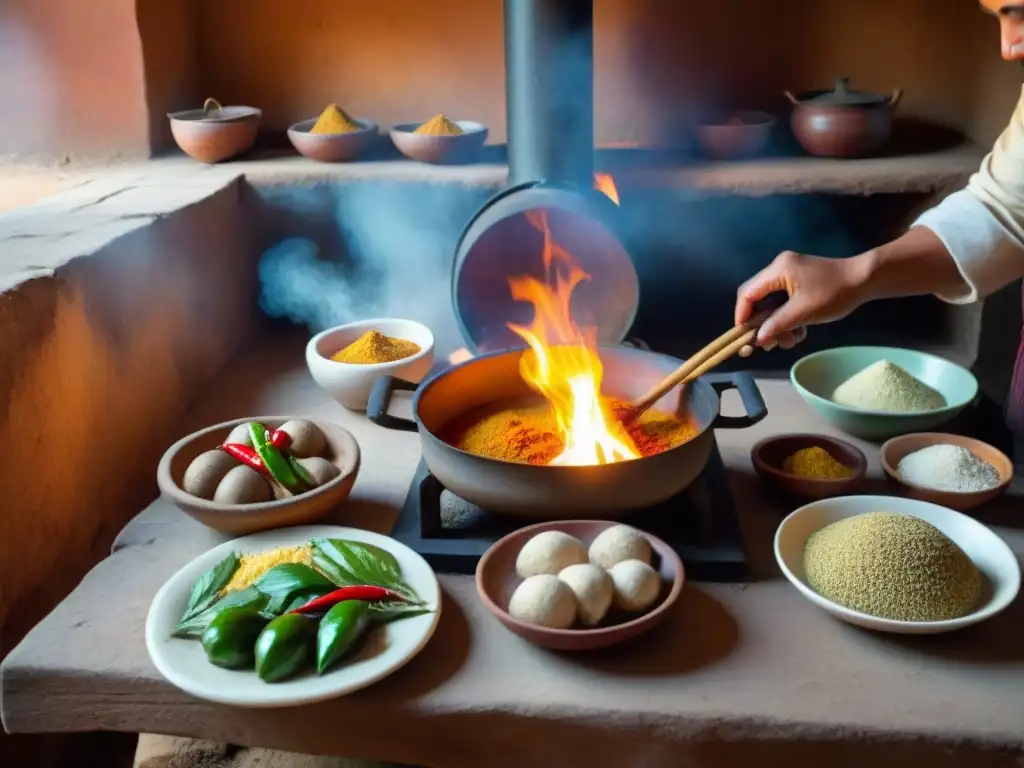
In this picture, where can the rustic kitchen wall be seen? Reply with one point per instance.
(97, 78)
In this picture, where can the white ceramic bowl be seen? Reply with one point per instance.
(990, 554)
(349, 383)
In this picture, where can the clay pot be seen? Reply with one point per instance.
(215, 133)
(842, 122)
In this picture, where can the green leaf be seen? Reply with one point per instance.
(243, 598)
(350, 563)
(208, 588)
(299, 599)
(284, 583)
(384, 613)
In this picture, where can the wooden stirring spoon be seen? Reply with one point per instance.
(714, 354)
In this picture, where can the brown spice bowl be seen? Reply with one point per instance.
(496, 580)
(746, 137)
(332, 147)
(440, 149)
(769, 455)
(894, 450)
(342, 451)
(214, 134)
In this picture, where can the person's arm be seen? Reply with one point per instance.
(915, 264)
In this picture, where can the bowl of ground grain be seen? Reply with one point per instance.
(440, 140)
(333, 137)
(809, 466)
(895, 564)
(952, 470)
(880, 392)
(346, 361)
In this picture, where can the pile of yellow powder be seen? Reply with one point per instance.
(334, 120)
(374, 347)
(439, 125)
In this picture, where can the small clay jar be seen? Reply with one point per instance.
(215, 133)
(843, 122)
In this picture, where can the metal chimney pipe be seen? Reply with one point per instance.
(549, 86)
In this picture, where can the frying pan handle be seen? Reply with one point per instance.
(380, 402)
(750, 396)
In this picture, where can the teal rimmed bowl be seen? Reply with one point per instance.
(816, 376)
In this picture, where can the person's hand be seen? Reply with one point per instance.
(820, 290)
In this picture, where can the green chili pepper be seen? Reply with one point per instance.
(301, 472)
(273, 459)
(230, 637)
(283, 647)
(340, 631)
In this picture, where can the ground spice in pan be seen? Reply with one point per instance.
(439, 125)
(815, 463)
(374, 347)
(528, 434)
(334, 120)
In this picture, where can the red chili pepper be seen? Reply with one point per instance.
(280, 440)
(246, 455)
(367, 593)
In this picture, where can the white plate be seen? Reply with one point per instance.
(183, 661)
(990, 554)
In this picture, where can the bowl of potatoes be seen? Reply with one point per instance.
(577, 585)
(258, 473)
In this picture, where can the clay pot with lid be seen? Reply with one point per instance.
(215, 133)
(843, 122)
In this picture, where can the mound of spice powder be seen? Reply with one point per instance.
(333, 120)
(439, 125)
(815, 463)
(374, 347)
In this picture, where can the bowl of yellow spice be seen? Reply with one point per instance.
(810, 466)
(333, 137)
(347, 360)
(439, 140)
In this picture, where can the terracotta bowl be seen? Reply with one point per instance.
(895, 449)
(342, 451)
(769, 455)
(332, 147)
(724, 141)
(215, 139)
(496, 580)
(440, 149)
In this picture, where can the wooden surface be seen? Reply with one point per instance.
(738, 672)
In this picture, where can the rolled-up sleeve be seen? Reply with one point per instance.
(982, 226)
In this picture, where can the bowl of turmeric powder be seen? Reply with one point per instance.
(439, 140)
(348, 360)
(810, 466)
(333, 137)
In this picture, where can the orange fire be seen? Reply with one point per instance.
(603, 182)
(562, 363)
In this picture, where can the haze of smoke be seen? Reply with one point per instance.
(400, 243)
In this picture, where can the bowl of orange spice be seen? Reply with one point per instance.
(347, 360)
(333, 137)
(439, 140)
(810, 466)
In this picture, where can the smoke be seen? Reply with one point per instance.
(393, 257)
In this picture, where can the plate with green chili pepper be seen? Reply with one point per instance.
(292, 616)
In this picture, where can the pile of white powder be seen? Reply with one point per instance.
(884, 386)
(947, 467)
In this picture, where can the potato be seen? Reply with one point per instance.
(321, 470)
(205, 473)
(243, 485)
(240, 435)
(307, 439)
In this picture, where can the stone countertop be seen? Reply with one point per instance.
(738, 672)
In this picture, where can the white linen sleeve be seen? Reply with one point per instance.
(982, 226)
(986, 253)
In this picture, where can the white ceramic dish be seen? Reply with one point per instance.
(351, 384)
(183, 662)
(990, 554)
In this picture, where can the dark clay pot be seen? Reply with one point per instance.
(842, 122)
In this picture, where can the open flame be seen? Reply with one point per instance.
(604, 183)
(562, 363)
